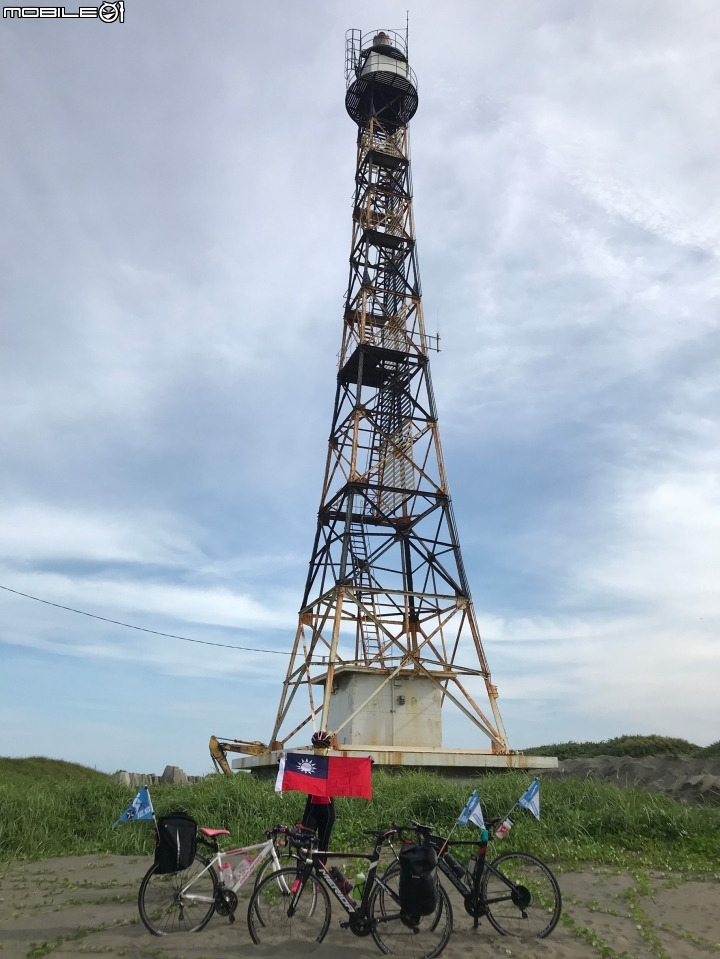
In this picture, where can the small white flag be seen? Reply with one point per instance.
(281, 773)
(530, 799)
(472, 812)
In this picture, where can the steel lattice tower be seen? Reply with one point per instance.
(387, 602)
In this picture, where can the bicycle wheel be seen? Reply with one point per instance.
(286, 861)
(179, 901)
(396, 936)
(268, 916)
(521, 896)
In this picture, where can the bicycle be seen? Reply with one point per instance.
(294, 905)
(186, 901)
(517, 892)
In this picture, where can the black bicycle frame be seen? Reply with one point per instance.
(442, 845)
(315, 862)
(459, 884)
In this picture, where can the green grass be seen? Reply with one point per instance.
(581, 820)
(40, 768)
(635, 746)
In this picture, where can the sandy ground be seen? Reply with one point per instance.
(87, 905)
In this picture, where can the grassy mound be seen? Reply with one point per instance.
(581, 820)
(41, 769)
(635, 746)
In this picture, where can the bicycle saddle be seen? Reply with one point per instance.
(214, 832)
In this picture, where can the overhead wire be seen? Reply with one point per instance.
(144, 629)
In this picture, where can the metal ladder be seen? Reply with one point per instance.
(368, 633)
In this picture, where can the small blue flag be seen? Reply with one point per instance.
(472, 812)
(139, 808)
(531, 798)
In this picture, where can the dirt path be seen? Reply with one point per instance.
(86, 905)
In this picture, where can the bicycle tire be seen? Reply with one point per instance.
(286, 860)
(161, 908)
(267, 918)
(289, 861)
(394, 937)
(529, 903)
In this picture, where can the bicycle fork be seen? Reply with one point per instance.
(297, 888)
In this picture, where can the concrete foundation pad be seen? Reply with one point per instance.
(444, 761)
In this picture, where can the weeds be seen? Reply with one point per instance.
(603, 949)
(635, 746)
(45, 948)
(644, 924)
(582, 820)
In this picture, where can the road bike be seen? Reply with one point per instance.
(516, 892)
(293, 905)
(186, 901)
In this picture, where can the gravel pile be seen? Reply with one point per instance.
(690, 780)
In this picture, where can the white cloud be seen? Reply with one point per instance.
(213, 607)
(174, 285)
(44, 532)
(665, 551)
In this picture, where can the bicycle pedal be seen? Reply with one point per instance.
(231, 918)
(344, 925)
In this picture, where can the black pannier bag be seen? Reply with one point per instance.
(176, 843)
(418, 880)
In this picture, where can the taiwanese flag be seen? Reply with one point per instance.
(325, 775)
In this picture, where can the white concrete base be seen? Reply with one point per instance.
(435, 759)
(405, 712)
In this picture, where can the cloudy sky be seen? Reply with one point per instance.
(175, 223)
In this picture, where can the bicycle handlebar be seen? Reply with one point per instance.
(378, 832)
(421, 827)
(297, 833)
(415, 827)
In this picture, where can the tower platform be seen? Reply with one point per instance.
(446, 762)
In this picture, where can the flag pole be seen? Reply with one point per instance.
(447, 840)
(507, 814)
(517, 801)
(152, 807)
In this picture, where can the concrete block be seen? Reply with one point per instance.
(173, 774)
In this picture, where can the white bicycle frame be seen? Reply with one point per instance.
(266, 849)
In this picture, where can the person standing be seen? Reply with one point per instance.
(319, 814)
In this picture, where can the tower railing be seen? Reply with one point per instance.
(357, 44)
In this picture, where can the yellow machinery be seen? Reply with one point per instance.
(219, 748)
